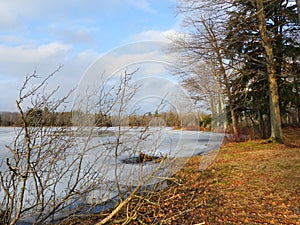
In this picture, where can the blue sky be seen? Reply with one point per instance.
(36, 34)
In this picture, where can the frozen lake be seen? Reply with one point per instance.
(164, 142)
(174, 143)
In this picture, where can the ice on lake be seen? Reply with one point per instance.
(165, 142)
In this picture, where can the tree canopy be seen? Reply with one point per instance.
(254, 47)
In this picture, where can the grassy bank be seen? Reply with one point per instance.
(248, 183)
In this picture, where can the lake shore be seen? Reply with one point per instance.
(253, 182)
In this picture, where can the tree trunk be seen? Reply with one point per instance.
(276, 132)
(215, 46)
(262, 126)
(228, 93)
(298, 116)
(298, 9)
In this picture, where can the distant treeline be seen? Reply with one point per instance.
(38, 117)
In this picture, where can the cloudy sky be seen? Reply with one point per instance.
(42, 35)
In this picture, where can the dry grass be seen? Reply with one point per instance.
(248, 183)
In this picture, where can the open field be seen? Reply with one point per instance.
(249, 183)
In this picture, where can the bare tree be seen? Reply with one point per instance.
(138, 164)
(46, 176)
(202, 46)
(53, 172)
(136, 173)
(207, 40)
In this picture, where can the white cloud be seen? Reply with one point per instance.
(7, 20)
(77, 36)
(15, 12)
(16, 62)
(152, 75)
(142, 4)
(30, 54)
(44, 34)
(14, 39)
(157, 35)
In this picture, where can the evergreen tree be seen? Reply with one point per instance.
(262, 36)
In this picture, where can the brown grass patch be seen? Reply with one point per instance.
(248, 183)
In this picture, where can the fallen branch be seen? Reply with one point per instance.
(119, 207)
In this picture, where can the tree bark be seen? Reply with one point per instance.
(228, 93)
(261, 125)
(217, 49)
(298, 9)
(298, 116)
(276, 132)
